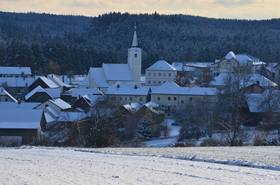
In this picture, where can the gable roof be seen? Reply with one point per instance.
(37, 89)
(17, 82)
(161, 65)
(55, 79)
(117, 72)
(76, 92)
(127, 88)
(15, 70)
(253, 78)
(48, 82)
(72, 116)
(133, 107)
(60, 103)
(99, 77)
(3, 92)
(172, 88)
(15, 105)
(24, 119)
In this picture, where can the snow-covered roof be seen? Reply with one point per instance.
(51, 111)
(17, 82)
(76, 92)
(85, 82)
(179, 66)
(49, 118)
(230, 55)
(3, 92)
(48, 82)
(15, 70)
(56, 79)
(99, 77)
(253, 79)
(20, 118)
(117, 72)
(161, 65)
(60, 103)
(259, 102)
(55, 93)
(37, 89)
(15, 105)
(72, 116)
(127, 88)
(172, 88)
(133, 107)
(259, 63)
(153, 104)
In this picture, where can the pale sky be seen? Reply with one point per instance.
(232, 9)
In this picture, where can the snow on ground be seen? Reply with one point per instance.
(40, 165)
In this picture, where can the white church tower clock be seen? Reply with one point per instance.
(134, 59)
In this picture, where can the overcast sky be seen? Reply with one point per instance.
(235, 9)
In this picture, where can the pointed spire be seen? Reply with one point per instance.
(135, 40)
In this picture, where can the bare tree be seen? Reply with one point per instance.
(231, 106)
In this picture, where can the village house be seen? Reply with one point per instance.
(172, 97)
(159, 73)
(57, 104)
(19, 126)
(124, 93)
(44, 83)
(194, 69)
(38, 95)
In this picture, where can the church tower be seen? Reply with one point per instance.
(134, 59)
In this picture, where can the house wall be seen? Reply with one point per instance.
(171, 103)
(24, 136)
(159, 77)
(125, 99)
(39, 97)
(5, 98)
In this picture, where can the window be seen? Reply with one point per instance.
(159, 74)
(169, 74)
(159, 82)
(6, 99)
(120, 98)
(158, 98)
(175, 98)
(168, 98)
(154, 82)
(130, 98)
(182, 101)
(164, 74)
(149, 82)
(113, 98)
(190, 98)
(135, 56)
(141, 99)
(125, 98)
(175, 106)
(0, 99)
(149, 74)
(155, 74)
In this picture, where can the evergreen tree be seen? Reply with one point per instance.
(144, 130)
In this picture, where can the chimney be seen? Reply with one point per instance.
(135, 87)
(258, 82)
(118, 85)
(19, 101)
(79, 96)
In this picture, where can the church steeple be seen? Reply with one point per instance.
(134, 59)
(135, 40)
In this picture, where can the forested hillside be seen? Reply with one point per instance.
(77, 42)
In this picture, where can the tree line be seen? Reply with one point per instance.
(78, 42)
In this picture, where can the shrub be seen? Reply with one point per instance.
(190, 143)
(210, 142)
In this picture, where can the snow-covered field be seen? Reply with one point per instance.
(44, 165)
